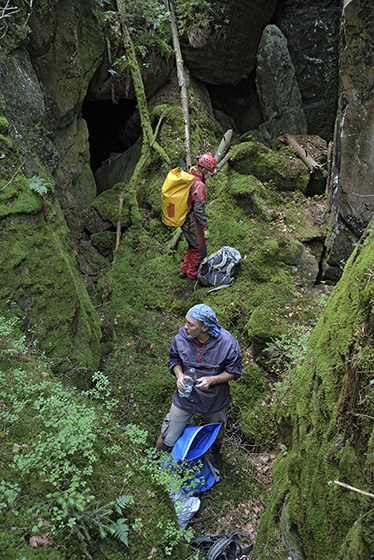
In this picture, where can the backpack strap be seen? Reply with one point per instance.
(204, 543)
(243, 551)
(225, 546)
(222, 547)
(220, 287)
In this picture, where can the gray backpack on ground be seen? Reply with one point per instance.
(218, 269)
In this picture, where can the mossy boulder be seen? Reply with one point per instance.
(306, 228)
(254, 158)
(300, 261)
(328, 410)
(249, 192)
(40, 281)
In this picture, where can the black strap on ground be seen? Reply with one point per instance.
(222, 547)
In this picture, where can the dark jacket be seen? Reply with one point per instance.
(218, 354)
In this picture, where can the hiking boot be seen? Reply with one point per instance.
(182, 275)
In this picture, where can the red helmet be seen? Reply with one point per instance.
(206, 161)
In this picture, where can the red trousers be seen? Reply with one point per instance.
(191, 262)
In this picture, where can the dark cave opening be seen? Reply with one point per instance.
(237, 102)
(112, 128)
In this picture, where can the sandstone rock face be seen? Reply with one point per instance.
(229, 53)
(65, 47)
(351, 198)
(24, 106)
(38, 265)
(312, 30)
(277, 88)
(356, 183)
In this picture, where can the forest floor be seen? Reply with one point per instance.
(237, 502)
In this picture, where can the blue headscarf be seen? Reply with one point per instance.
(206, 315)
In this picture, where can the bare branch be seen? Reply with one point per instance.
(353, 488)
(8, 11)
(8, 183)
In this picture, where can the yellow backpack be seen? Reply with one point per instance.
(174, 197)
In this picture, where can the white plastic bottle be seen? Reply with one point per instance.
(188, 382)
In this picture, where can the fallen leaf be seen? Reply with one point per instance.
(37, 541)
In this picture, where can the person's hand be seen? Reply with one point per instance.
(203, 383)
(180, 384)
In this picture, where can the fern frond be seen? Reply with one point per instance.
(120, 530)
(122, 502)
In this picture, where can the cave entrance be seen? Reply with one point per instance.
(237, 102)
(112, 128)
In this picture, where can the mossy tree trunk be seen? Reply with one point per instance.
(128, 193)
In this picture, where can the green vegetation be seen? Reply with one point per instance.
(325, 410)
(67, 468)
(195, 20)
(84, 387)
(80, 462)
(148, 24)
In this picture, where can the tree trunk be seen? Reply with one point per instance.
(181, 79)
(318, 175)
(223, 145)
(128, 193)
(303, 154)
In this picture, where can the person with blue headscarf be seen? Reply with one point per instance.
(215, 355)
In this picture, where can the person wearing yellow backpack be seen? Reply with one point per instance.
(196, 221)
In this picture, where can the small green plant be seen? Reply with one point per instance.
(173, 535)
(101, 391)
(286, 351)
(11, 345)
(283, 449)
(323, 299)
(63, 449)
(8, 496)
(38, 185)
(76, 512)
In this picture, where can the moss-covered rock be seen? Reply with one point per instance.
(250, 194)
(253, 158)
(300, 261)
(4, 125)
(328, 409)
(40, 280)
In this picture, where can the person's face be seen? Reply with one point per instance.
(206, 173)
(194, 328)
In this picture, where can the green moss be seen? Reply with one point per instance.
(107, 204)
(296, 219)
(39, 276)
(249, 192)
(253, 158)
(6, 141)
(327, 444)
(104, 238)
(4, 125)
